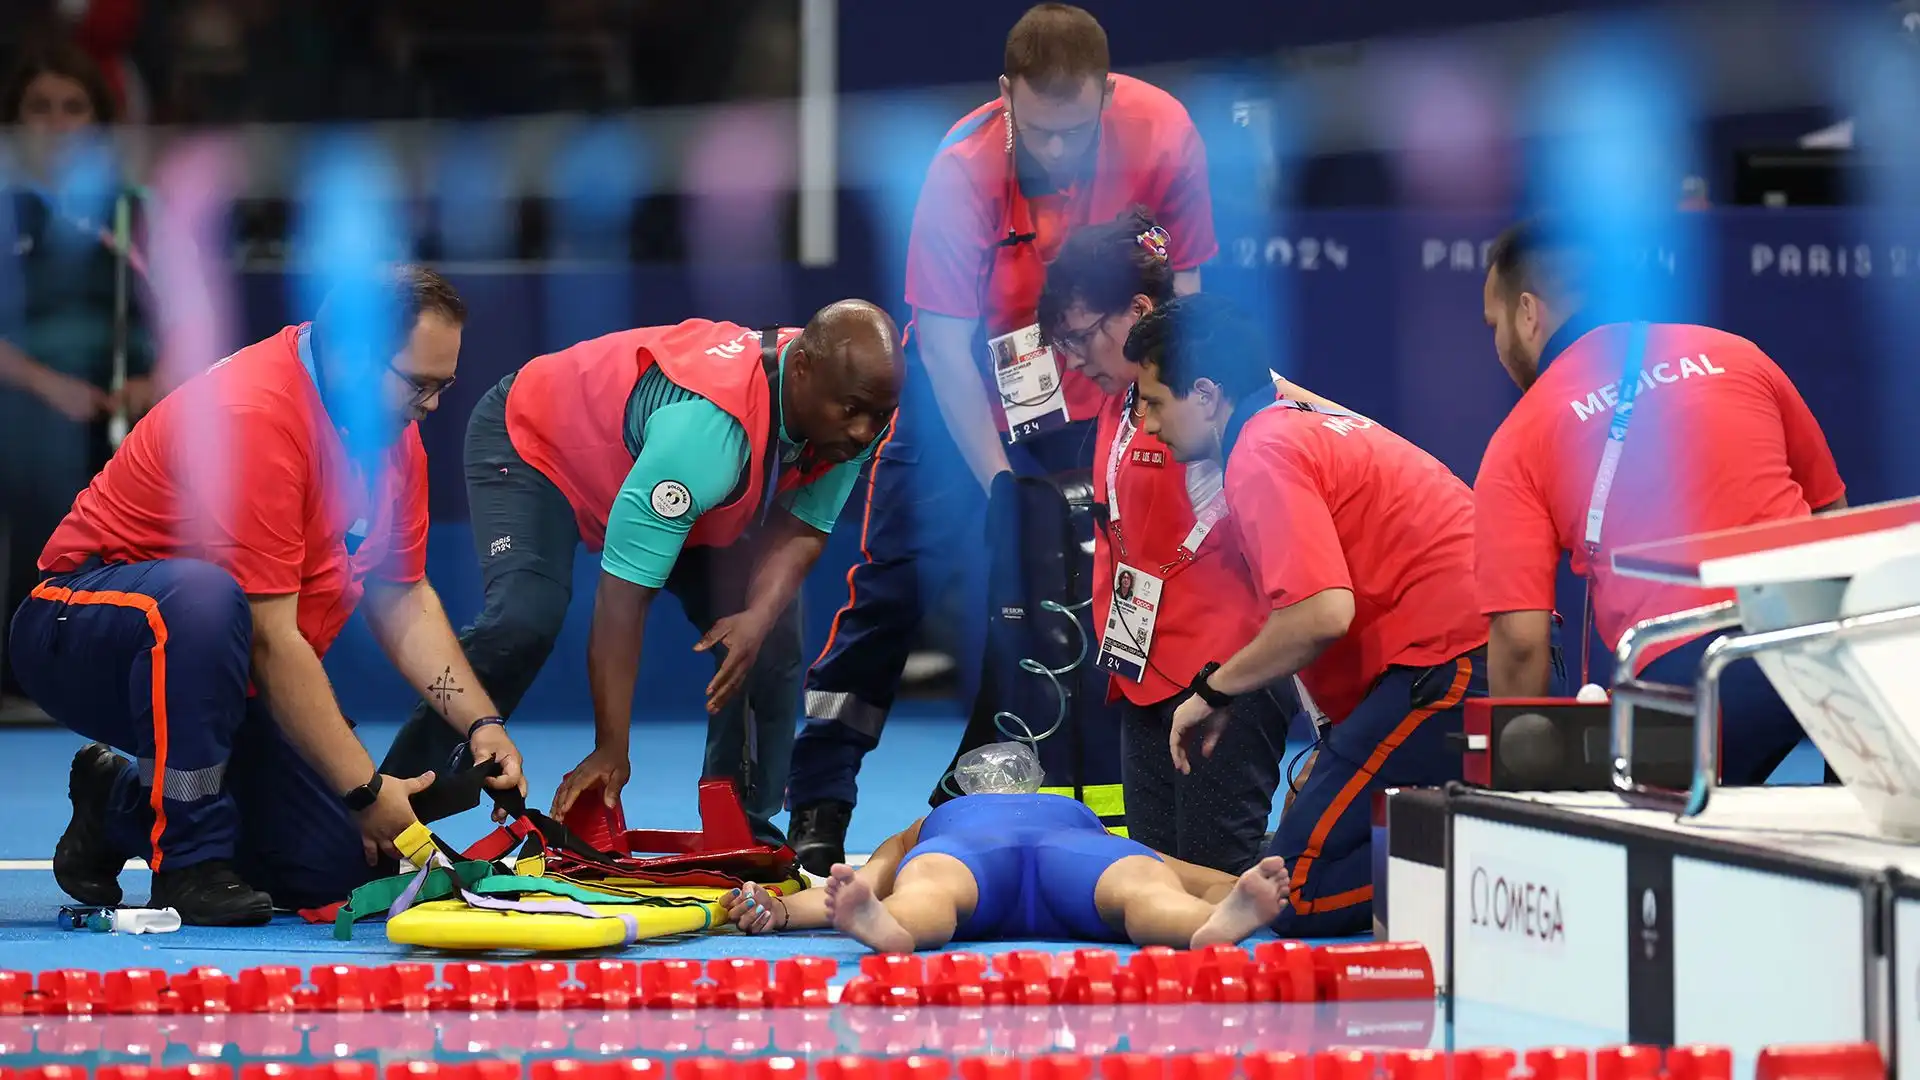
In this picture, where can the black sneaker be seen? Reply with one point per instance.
(210, 894)
(820, 835)
(84, 865)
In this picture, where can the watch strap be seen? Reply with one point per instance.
(365, 795)
(1207, 693)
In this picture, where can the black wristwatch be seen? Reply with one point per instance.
(363, 796)
(1207, 693)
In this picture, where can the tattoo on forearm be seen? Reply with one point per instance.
(443, 689)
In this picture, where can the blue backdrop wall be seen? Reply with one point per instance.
(1386, 318)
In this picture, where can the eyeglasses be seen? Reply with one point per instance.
(1076, 133)
(424, 389)
(1075, 341)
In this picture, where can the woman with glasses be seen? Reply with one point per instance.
(1170, 590)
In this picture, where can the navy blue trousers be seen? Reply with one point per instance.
(1396, 737)
(922, 534)
(1216, 815)
(154, 659)
(1757, 729)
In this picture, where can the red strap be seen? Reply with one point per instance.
(323, 915)
(499, 842)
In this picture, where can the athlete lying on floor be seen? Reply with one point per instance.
(1003, 867)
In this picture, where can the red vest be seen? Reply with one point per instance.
(1137, 162)
(1209, 608)
(567, 415)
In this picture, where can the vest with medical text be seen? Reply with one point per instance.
(566, 415)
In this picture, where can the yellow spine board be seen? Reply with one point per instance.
(455, 925)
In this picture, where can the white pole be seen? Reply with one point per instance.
(819, 135)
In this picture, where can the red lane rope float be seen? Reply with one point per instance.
(1273, 971)
(1839, 1061)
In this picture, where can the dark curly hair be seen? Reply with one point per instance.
(1103, 267)
(1202, 336)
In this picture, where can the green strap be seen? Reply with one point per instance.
(518, 884)
(376, 897)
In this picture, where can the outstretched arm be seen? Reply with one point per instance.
(756, 911)
(787, 550)
(411, 626)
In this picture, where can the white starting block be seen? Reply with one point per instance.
(1741, 916)
(1829, 608)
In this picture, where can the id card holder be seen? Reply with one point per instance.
(1028, 376)
(1128, 636)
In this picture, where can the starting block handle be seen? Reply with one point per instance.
(1703, 701)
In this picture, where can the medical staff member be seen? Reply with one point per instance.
(1717, 437)
(1170, 584)
(1066, 143)
(705, 458)
(190, 594)
(1362, 544)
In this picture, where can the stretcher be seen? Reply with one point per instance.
(539, 884)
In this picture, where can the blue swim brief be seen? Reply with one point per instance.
(1035, 860)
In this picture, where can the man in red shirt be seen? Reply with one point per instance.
(189, 595)
(1716, 437)
(1067, 142)
(1363, 545)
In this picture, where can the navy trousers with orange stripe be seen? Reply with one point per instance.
(921, 535)
(1397, 736)
(154, 659)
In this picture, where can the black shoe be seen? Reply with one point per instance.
(210, 894)
(820, 835)
(84, 865)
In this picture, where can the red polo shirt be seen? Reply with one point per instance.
(242, 467)
(1719, 438)
(1337, 502)
(1148, 154)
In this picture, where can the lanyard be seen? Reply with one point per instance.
(1019, 211)
(1308, 406)
(770, 363)
(1204, 520)
(369, 479)
(1603, 478)
(1122, 442)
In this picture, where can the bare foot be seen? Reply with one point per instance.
(859, 915)
(1255, 901)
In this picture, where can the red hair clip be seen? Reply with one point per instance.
(1155, 240)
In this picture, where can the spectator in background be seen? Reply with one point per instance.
(71, 312)
(105, 30)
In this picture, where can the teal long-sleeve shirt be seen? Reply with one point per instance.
(689, 457)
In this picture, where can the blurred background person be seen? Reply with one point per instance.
(76, 353)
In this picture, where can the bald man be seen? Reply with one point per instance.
(706, 458)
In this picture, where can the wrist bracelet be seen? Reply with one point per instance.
(484, 721)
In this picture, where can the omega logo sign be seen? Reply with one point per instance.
(1516, 907)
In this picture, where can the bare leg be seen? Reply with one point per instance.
(1145, 896)
(930, 896)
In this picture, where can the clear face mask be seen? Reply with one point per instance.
(1002, 768)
